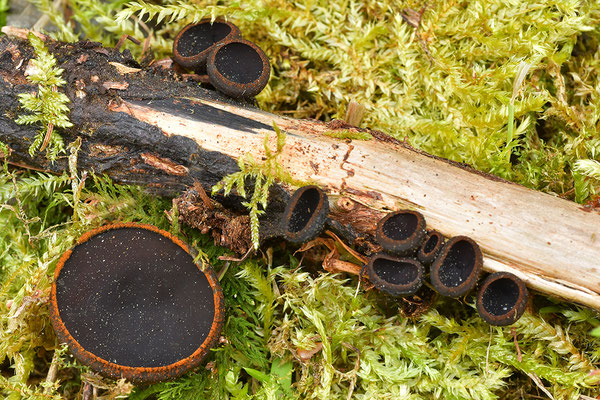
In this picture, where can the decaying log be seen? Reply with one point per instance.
(151, 127)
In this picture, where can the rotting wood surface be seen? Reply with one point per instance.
(152, 128)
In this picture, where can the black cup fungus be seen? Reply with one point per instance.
(194, 42)
(430, 248)
(401, 232)
(456, 269)
(238, 68)
(395, 276)
(501, 299)
(305, 214)
(130, 302)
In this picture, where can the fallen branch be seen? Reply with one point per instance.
(157, 130)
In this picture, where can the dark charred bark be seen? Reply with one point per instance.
(114, 143)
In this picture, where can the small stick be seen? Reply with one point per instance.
(513, 331)
(52, 371)
(356, 368)
(21, 33)
(87, 391)
(536, 379)
(124, 38)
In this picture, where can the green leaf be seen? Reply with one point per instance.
(261, 376)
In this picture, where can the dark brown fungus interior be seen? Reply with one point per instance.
(239, 62)
(401, 232)
(305, 214)
(396, 276)
(130, 301)
(200, 37)
(238, 68)
(433, 243)
(502, 299)
(456, 269)
(194, 43)
(500, 296)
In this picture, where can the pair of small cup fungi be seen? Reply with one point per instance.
(399, 270)
(233, 65)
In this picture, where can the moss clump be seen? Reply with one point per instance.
(348, 134)
(289, 333)
(512, 89)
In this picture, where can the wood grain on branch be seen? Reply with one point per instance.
(153, 128)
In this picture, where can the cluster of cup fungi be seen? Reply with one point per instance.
(131, 302)
(408, 249)
(217, 51)
(454, 267)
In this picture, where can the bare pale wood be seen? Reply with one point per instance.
(551, 243)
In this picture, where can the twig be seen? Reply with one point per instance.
(356, 368)
(227, 258)
(487, 353)
(513, 331)
(87, 391)
(21, 33)
(52, 371)
(124, 38)
(539, 384)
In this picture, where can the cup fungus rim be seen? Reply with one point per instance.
(222, 83)
(408, 244)
(139, 374)
(469, 283)
(194, 61)
(319, 214)
(392, 288)
(515, 312)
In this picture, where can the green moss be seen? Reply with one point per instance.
(511, 88)
(348, 134)
(364, 345)
(262, 176)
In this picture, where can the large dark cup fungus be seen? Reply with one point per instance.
(193, 43)
(130, 302)
(401, 232)
(433, 243)
(456, 269)
(502, 298)
(395, 276)
(305, 214)
(238, 68)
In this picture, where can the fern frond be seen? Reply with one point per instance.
(263, 176)
(48, 106)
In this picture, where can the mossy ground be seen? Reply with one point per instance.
(445, 78)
